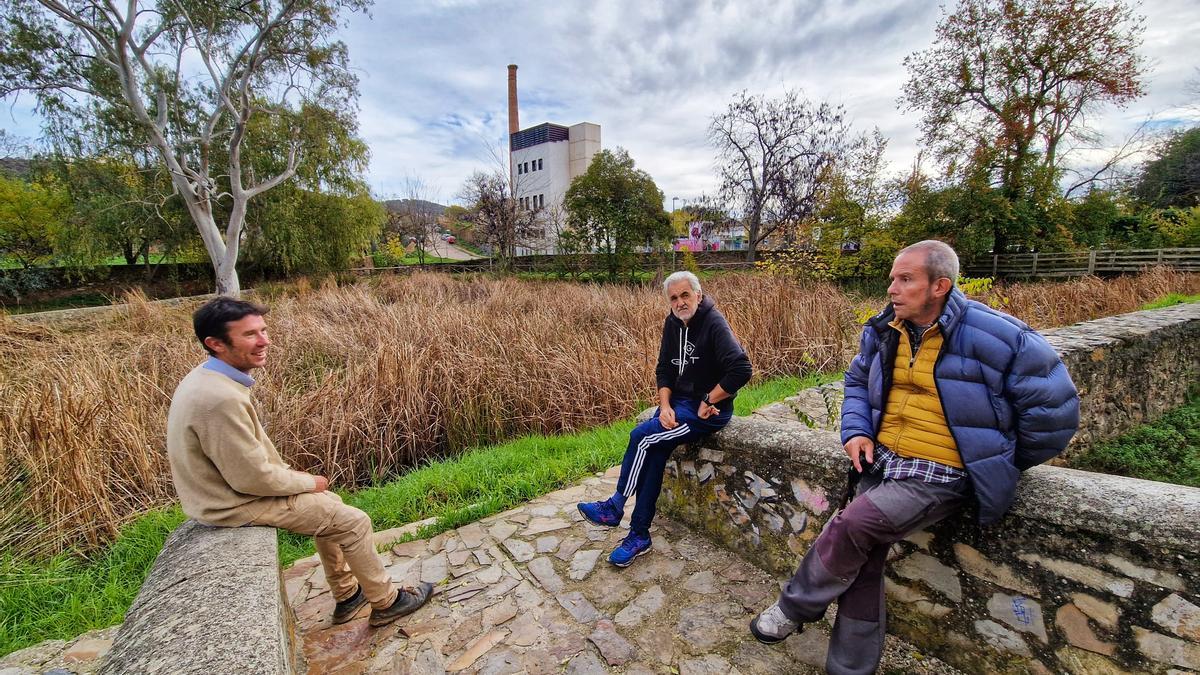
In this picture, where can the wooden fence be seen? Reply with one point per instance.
(1080, 263)
(1019, 265)
(578, 263)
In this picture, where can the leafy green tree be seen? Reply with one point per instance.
(1172, 178)
(324, 217)
(1008, 83)
(120, 207)
(1103, 219)
(191, 77)
(32, 215)
(964, 214)
(1168, 228)
(296, 231)
(614, 208)
(855, 238)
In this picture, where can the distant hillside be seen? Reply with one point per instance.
(414, 205)
(16, 166)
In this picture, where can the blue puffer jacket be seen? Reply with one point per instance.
(1008, 398)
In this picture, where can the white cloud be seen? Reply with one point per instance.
(434, 78)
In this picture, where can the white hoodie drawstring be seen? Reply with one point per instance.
(683, 336)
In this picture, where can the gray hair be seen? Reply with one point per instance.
(677, 277)
(940, 259)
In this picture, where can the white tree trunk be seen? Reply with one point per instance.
(227, 281)
(222, 256)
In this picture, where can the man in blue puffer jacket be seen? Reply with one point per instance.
(947, 399)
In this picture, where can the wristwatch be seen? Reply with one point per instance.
(706, 401)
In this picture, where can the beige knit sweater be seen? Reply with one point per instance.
(221, 459)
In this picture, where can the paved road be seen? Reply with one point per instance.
(441, 249)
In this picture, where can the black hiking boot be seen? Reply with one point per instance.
(407, 601)
(345, 610)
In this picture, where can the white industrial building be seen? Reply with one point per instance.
(543, 160)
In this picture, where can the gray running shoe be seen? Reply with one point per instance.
(772, 625)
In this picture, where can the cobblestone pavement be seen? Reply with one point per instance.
(530, 591)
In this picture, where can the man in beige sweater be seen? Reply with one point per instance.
(227, 472)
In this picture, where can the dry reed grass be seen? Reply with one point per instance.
(1061, 303)
(368, 379)
(364, 381)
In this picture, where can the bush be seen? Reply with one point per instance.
(1167, 451)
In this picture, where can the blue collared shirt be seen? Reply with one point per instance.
(215, 364)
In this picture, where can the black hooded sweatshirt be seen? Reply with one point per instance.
(692, 359)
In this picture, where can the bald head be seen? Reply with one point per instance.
(940, 260)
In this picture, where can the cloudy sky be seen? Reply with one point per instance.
(651, 73)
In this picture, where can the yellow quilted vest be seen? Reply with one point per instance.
(914, 424)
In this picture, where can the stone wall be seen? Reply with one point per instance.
(1129, 369)
(1087, 574)
(213, 603)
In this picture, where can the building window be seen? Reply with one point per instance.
(539, 165)
(526, 167)
(542, 200)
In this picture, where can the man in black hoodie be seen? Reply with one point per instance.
(700, 368)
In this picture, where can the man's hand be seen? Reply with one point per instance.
(706, 411)
(855, 447)
(666, 417)
(322, 484)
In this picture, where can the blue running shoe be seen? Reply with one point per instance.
(601, 513)
(633, 546)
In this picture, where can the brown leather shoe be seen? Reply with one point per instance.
(407, 601)
(345, 610)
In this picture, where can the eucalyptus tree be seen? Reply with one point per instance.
(189, 76)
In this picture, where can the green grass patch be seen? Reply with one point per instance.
(1171, 299)
(776, 389)
(411, 259)
(66, 595)
(1167, 451)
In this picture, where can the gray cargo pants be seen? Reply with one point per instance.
(846, 564)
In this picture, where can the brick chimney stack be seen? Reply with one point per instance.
(513, 124)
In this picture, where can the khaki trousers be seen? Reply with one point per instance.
(344, 542)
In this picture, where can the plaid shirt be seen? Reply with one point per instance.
(895, 467)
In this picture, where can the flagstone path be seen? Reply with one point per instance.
(530, 591)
